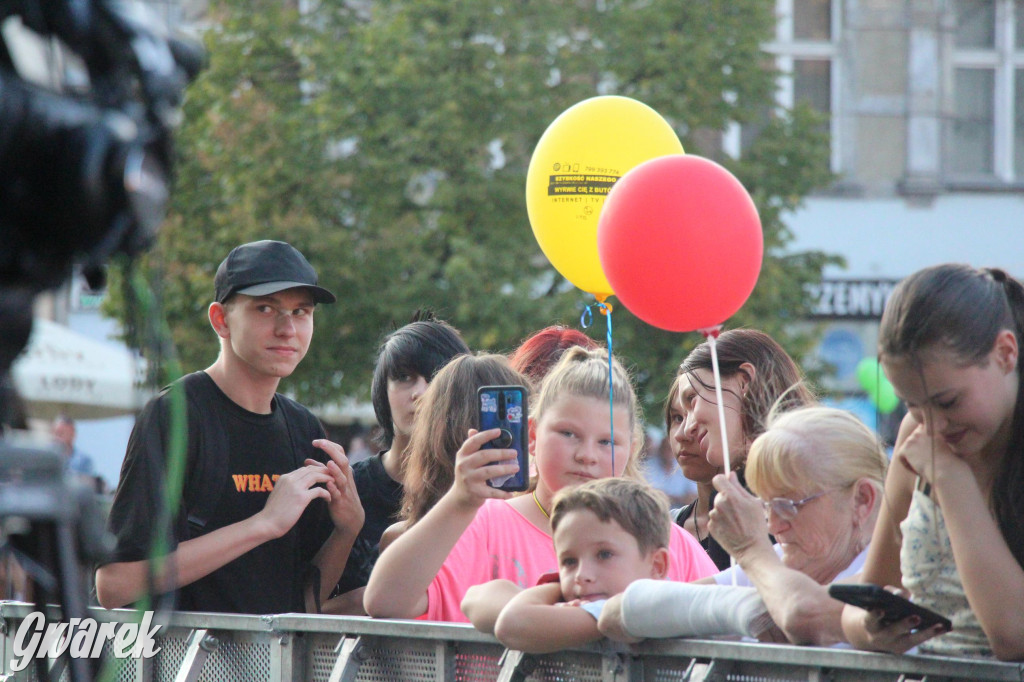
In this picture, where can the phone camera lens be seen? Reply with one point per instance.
(504, 439)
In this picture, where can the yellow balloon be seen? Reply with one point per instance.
(577, 160)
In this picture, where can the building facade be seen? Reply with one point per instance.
(926, 107)
(925, 100)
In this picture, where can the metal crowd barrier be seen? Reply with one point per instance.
(228, 648)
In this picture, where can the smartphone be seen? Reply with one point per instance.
(505, 408)
(895, 607)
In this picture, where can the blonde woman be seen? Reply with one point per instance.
(817, 473)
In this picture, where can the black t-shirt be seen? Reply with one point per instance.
(268, 578)
(381, 497)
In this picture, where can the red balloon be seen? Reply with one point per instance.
(680, 242)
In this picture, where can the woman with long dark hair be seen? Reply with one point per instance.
(952, 531)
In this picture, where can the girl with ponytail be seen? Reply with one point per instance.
(952, 530)
(477, 534)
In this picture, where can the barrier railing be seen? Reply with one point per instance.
(197, 647)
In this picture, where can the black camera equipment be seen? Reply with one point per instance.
(84, 175)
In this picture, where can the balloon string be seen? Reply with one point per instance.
(712, 342)
(586, 319)
(712, 336)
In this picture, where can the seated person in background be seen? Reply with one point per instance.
(819, 473)
(77, 462)
(607, 533)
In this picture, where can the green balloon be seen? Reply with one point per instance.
(880, 392)
(867, 374)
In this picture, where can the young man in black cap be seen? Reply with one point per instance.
(269, 509)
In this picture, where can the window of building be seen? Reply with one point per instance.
(985, 133)
(805, 50)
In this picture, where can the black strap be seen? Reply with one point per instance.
(682, 514)
(924, 486)
(206, 474)
(294, 414)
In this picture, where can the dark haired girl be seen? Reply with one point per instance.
(952, 531)
(407, 360)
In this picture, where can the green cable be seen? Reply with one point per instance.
(137, 289)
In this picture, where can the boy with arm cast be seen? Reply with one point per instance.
(607, 533)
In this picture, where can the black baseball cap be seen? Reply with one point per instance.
(266, 267)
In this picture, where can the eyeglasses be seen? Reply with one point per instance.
(785, 508)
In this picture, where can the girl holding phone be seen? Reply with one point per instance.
(407, 360)
(476, 533)
(952, 531)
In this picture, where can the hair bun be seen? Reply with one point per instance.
(996, 274)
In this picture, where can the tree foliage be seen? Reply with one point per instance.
(389, 142)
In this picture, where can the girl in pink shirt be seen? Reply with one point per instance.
(476, 533)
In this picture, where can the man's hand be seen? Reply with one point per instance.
(345, 508)
(291, 495)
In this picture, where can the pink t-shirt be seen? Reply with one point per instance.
(501, 543)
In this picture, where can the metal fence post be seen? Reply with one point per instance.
(444, 656)
(350, 657)
(283, 658)
(200, 644)
(515, 666)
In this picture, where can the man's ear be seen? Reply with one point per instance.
(218, 315)
(659, 563)
(1005, 350)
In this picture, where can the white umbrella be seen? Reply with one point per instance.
(63, 372)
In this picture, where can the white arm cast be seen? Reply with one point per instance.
(662, 608)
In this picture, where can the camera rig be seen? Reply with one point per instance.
(84, 175)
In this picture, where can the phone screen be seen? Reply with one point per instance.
(504, 407)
